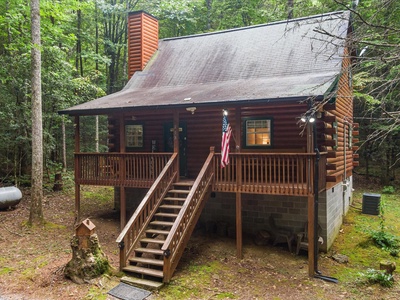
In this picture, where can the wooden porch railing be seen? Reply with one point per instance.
(142, 216)
(269, 173)
(119, 169)
(257, 173)
(187, 218)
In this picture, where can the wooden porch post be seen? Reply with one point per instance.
(311, 212)
(122, 191)
(77, 171)
(239, 231)
(310, 229)
(239, 238)
(176, 137)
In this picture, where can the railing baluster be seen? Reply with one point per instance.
(271, 173)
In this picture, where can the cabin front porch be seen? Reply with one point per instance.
(168, 213)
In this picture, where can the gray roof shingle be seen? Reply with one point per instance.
(281, 60)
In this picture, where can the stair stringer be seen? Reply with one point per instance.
(168, 272)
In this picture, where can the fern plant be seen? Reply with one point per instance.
(377, 276)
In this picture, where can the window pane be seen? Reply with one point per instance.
(258, 132)
(134, 135)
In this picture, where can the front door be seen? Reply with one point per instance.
(169, 144)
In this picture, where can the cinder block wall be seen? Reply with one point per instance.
(133, 198)
(333, 206)
(290, 212)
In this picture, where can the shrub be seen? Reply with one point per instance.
(377, 276)
(388, 190)
(386, 241)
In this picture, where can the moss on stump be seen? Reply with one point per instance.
(87, 262)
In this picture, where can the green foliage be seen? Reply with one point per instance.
(382, 238)
(102, 58)
(386, 241)
(377, 85)
(388, 190)
(377, 276)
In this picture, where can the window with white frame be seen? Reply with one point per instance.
(134, 136)
(257, 133)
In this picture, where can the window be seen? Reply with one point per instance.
(257, 133)
(134, 136)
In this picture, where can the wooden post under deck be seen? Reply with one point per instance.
(122, 191)
(77, 186)
(176, 138)
(239, 230)
(311, 212)
(310, 229)
(239, 238)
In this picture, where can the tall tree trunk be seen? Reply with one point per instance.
(290, 5)
(96, 20)
(64, 146)
(209, 8)
(36, 212)
(78, 61)
(97, 133)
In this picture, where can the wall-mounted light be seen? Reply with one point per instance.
(224, 112)
(191, 109)
(308, 118)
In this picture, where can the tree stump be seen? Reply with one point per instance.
(58, 182)
(387, 266)
(88, 260)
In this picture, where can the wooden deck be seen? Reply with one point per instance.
(254, 173)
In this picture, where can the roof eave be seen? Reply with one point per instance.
(225, 104)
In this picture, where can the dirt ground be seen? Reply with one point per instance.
(32, 262)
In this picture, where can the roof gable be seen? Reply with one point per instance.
(278, 60)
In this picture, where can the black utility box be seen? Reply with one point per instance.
(370, 204)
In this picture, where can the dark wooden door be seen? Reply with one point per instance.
(169, 144)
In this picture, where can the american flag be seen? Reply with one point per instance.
(226, 136)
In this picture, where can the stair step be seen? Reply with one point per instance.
(161, 223)
(147, 261)
(174, 199)
(168, 215)
(142, 283)
(154, 241)
(184, 183)
(144, 271)
(168, 206)
(157, 231)
(149, 250)
(179, 191)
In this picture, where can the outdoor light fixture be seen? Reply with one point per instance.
(225, 112)
(191, 109)
(308, 118)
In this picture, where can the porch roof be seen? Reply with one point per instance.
(288, 60)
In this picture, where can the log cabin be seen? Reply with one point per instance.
(285, 88)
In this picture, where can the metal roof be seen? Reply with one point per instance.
(281, 60)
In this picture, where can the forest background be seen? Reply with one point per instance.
(84, 56)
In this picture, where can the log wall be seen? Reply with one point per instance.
(204, 129)
(340, 160)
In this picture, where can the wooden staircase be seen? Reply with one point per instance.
(145, 265)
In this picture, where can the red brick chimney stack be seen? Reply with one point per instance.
(142, 40)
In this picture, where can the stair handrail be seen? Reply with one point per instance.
(143, 214)
(187, 218)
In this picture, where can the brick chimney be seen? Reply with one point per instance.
(142, 40)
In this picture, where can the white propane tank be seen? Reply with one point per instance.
(9, 196)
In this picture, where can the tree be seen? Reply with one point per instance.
(377, 82)
(36, 212)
